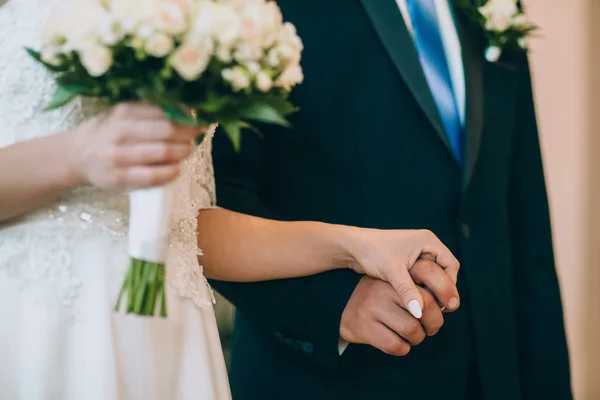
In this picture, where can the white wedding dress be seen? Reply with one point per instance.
(61, 267)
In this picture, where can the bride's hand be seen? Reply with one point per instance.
(133, 146)
(390, 254)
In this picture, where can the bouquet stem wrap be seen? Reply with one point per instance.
(144, 284)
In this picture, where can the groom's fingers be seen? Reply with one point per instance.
(401, 322)
(435, 279)
(432, 319)
(434, 250)
(387, 341)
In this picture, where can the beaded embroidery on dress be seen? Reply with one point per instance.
(36, 250)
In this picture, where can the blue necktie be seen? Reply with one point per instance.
(435, 65)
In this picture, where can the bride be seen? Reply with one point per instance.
(63, 233)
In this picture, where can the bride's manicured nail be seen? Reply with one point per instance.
(453, 303)
(415, 309)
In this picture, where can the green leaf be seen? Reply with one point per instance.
(61, 97)
(245, 125)
(233, 131)
(177, 115)
(213, 103)
(79, 83)
(279, 103)
(37, 56)
(263, 112)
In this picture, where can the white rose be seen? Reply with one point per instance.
(223, 54)
(190, 60)
(264, 83)
(251, 24)
(288, 35)
(245, 53)
(144, 32)
(110, 32)
(80, 26)
(288, 53)
(506, 8)
(522, 43)
(170, 18)
(290, 77)
(253, 67)
(271, 22)
(237, 77)
(131, 14)
(497, 23)
(186, 5)
(203, 20)
(519, 20)
(159, 45)
(274, 57)
(226, 26)
(96, 59)
(50, 55)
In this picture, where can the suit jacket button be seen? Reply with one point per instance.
(466, 231)
(308, 348)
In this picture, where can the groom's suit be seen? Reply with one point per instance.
(369, 148)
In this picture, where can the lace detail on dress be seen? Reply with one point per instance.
(195, 191)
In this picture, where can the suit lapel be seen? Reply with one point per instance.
(473, 67)
(397, 41)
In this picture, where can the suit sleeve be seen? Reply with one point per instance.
(305, 309)
(544, 362)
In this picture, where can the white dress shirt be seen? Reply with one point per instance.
(455, 65)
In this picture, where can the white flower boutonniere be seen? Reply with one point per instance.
(504, 24)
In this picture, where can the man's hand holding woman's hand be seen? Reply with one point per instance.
(412, 281)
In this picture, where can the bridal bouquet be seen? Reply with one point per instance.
(230, 62)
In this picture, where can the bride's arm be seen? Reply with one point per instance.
(33, 173)
(243, 248)
(132, 146)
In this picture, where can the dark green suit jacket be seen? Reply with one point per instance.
(368, 149)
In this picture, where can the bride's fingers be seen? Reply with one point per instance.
(137, 110)
(152, 153)
(143, 177)
(145, 130)
(410, 297)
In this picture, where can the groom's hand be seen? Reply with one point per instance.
(373, 315)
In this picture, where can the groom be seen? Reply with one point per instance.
(383, 142)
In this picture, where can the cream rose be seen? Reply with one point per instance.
(190, 60)
(264, 83)
(96, 59)
(504, 8)
(131, 14)
(226, 26)
(50, 55)
(237, 77)
(170, 18)
(290, 77)
(159, 45)
(497, 23)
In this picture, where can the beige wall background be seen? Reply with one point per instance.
(567, 88)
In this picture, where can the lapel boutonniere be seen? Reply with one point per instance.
(505, 26)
